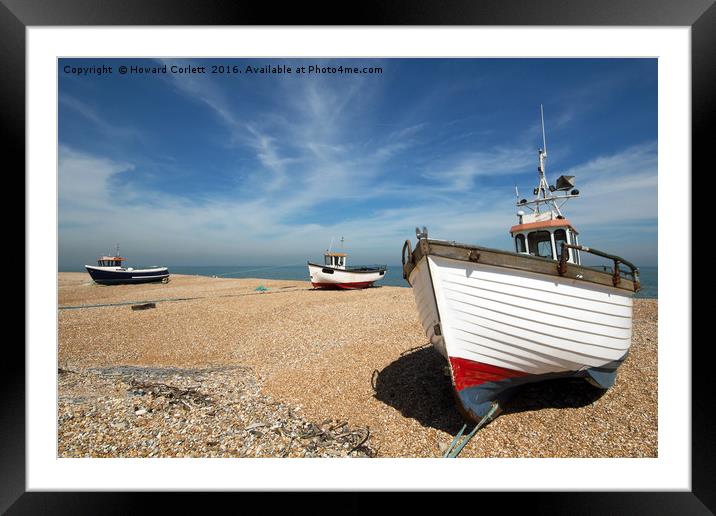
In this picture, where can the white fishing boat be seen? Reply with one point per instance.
(335, 273)
(506, 318)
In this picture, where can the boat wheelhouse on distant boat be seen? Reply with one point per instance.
(109, 271)
(336, 274)
(503, 319)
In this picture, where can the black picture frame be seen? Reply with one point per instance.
(700, 15)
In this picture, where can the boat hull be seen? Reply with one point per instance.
(325, 277)
(500, 327)
(116, 275)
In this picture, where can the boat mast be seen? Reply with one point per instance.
(544, 193)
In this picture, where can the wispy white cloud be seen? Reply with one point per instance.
(90, 113)
(272, 228)
(241, 231)
(308, 155)
(311, 176)
(617, 189)
(84, 187)
(460, 173)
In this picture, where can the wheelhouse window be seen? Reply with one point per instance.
(575, 240)
(560, 237)
(540, 244)
(520, 244)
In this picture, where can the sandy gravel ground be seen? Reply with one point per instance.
(305, 361)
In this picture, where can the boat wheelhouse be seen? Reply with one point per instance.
(337, 260)
(335, 273)
(505, 318)
(110, 271)
(544, 235)
(110, 261)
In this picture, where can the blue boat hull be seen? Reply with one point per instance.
(109, 277)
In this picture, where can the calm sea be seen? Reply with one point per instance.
(393, 277)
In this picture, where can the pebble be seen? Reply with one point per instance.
(297, 357)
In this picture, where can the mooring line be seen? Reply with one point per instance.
(268, 267)
(124, 303)
(453, 451)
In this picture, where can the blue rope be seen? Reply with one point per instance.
(454, 441)
(454, 451)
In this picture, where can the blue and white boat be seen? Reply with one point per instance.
(109, 271)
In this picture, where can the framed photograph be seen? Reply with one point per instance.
(259, 254)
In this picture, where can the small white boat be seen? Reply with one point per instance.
(506, 318)
(109, 271)
(336, 274)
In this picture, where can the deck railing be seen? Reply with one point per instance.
(616, 270)
(365, 267)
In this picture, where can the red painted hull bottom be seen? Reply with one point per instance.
(468, 373)
(479, 386)
(344, 286)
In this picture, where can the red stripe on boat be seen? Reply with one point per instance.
(348, 286)
(467, 373)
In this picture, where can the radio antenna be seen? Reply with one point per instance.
(543, 187)
(544, 139)
(544, 193)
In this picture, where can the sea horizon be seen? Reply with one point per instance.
(393, 276)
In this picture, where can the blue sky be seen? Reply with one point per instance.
(206, 169)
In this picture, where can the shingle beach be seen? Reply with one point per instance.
(220, 369)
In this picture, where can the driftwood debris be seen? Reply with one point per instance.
(182, 397)
(172, 412)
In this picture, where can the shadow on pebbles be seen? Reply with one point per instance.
(167, 412)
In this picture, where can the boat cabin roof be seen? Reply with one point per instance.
(111, 258)
(543, 224)
(335, 254)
